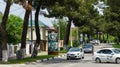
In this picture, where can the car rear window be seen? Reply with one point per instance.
(74, 49)
(116, 50)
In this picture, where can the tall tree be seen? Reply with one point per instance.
(87, 16)
(28, 7)
(80, 13)
(74, 9)
(3, 31)
(37, 5)
(112, 16)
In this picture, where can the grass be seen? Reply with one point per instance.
(28, 59)
(116, 45)
(63, 51)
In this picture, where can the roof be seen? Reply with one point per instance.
(108, 48)
(41, 24)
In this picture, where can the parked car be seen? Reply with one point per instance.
(75, 53)
(95, 42)
(88, 48)
(107, 55)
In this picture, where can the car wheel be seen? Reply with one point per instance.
(68, 58)
(118, 60)
(97, 60)
(82, 57)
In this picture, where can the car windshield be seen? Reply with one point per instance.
(117, 51)
(87, 46)
(74, 49)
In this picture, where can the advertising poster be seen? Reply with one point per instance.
(52, 43)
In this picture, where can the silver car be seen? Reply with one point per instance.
(88, 48)
(75, 53)
(95, 42)
(107, 55)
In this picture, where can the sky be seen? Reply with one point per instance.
(100, 7)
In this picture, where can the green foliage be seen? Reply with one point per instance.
(60, 27)
(76, 43)
(63, 51)
(74, 32)
(29, 59)
(1, 18)
(114, 4)
(112, 15)
(88, 18)
(111, 38)
(80, 11)
(14, 29)
(116, 45)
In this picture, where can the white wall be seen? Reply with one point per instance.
(43, 32)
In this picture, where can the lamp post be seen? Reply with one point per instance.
(31, 33)
(59, 34)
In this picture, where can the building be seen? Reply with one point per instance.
(44, 27)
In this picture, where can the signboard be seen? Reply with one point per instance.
(52, 43)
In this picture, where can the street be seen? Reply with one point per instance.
(62, 62)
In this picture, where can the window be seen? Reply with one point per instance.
(117, 51)
(107, 51)
(101, 51)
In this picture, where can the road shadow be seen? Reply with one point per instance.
(63, 60)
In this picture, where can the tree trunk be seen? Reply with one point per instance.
(97, 34)
(118, 35)
(4, 33)
(67, 34)
(103, 39)
(21, 52)
(107, 38)
(38, 39)
(88, 36)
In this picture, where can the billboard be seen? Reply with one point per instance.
(52, 43)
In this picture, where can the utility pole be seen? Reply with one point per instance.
(31, 32)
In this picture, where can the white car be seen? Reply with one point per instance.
(75, 53)
(107, 55)
(95, 42)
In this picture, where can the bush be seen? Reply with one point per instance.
(116, 45)
(63, 51)
(76, 43)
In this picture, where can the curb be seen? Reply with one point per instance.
(42, 60)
